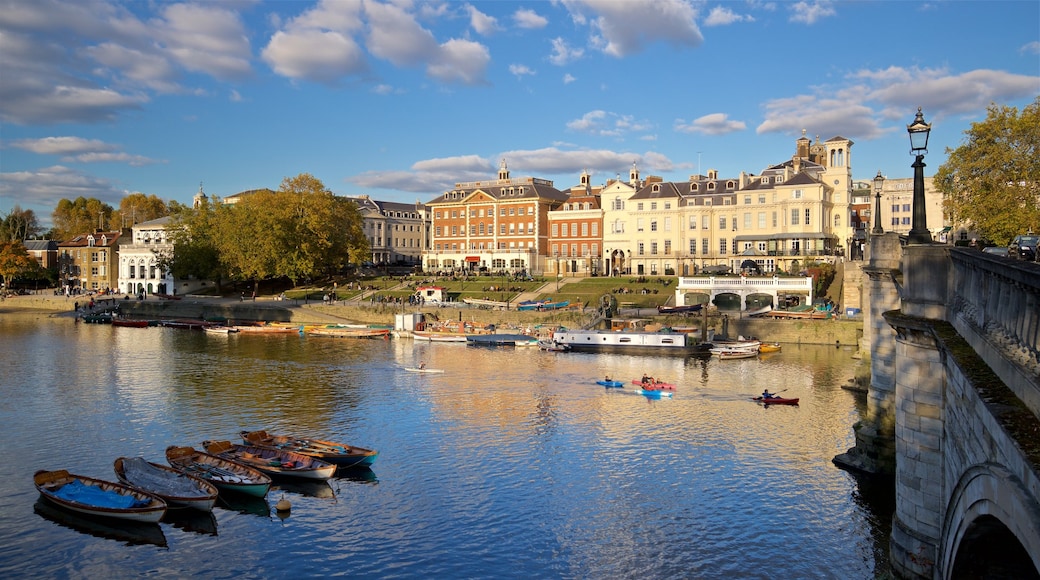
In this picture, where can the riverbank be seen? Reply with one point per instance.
(826, 332)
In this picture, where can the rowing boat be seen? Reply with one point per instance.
(98, 497)
(273, 461)
(339, 454)
(226, 475)
(176, 488)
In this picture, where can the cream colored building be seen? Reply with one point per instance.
(139, 268)
(398, 233)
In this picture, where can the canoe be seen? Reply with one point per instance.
(97, 497)
(273, 461)
(339, 454)
(418, 370)
(349, 332)
(775, 401)
(654, 386)
(176, 488)
(653, 394)
(728, 354)
(220, 329)
(226, 475)
(611, 384)
(764, 348)
(130, 323)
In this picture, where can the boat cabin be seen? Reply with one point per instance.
(430, 294)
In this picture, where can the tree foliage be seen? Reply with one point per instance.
(138, 207)
(992, 181)
(15, 262)
(19, 225)
(194, 255)
(84, 215)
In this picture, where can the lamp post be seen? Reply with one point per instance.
(879, 184)
(919, 131)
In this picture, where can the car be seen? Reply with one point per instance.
(1023, 247)
(996, 250)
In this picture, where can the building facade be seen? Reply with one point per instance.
(88, 262)
(398, 233)
(499, 225)
(139, 268)
(576, 232)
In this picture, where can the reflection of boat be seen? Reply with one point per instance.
(226, 475)
(272, 461)
(553, 346)
(611, 384)
(775, 401)
(178, 489)
(133, 533)
(361, 474)
(501, 339)
(97, 497)
(339, 454)
(196, 521)
(244, 504)
(316, 489)
(653, 394)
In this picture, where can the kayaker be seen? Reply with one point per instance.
(767, 395)
(422, 364)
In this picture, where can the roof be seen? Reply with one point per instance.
(83, 240)
(39, 245)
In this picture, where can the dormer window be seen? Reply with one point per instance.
(694, 187)
(711, 186)
(730, 184)
(90, 241)
(655, 187)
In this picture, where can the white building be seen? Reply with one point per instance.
(139, 269)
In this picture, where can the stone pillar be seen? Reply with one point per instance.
(875, 434)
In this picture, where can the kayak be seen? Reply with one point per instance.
(418, 370)
(611, 384)
(653, 394)
(775, 401)
(654, 386)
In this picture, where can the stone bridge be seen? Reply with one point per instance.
(953, 408)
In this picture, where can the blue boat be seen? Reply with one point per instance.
(543, 305)
(611, 384)
(653, 394)
(501, 339)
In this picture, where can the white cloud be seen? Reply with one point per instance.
(482, 23)
(713, 124)
(206, 38)
(62, 145)
(1031, 48)
(525, 18)
(568, 79)
(315, 55)
(46, 186)
(562, 53)
(627, 27)
(606, 124)
(520, 70)
(722, 16)
(460, 61)
(811, 12)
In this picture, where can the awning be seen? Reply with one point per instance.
(472, 258)
(946, 229)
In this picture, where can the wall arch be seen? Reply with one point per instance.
(987, 500)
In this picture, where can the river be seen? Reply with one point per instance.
(512, 463)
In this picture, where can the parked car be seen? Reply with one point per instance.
(996, 250)
(1023, 247)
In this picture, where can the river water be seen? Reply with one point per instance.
(513, 463)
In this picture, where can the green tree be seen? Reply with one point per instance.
(15, 262)
(82, 216)
(19, 225)
(991, 182)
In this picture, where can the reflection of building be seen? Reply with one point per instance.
(139, 269)
(397, 233)
(499, 225)
(575, 237)
(88, 261)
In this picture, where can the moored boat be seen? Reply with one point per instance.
(348, 332)
(766, 348)
(98, 497)
(130, 323)
(273, 461)
(501, 339)
(220, 329)
(176, 488)
(553, 346)
(226, 475)
(733, 353)
(339, 454)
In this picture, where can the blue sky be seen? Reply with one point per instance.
(401, 99)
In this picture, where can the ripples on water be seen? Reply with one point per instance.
(511, 464)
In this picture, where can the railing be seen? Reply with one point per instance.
(725, 282)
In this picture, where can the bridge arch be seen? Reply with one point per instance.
(992, 526)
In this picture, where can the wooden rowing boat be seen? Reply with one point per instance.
(226, 475)
(349, 332)
(176, 488)
(98, 497)
(130, 323)
(339, 454)
(273, 461)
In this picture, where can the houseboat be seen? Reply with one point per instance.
(629, 334)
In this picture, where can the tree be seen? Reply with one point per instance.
(992, 181)
(15, 262)
(138, 207)
(194, 252)
(84, 215)
(19, 225)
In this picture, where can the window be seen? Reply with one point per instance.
(667, 247)
(653, 205)
(454, 230)
(774, 219)
(481, 228)
(794, 217)
(653, 225)
(668, 205)
(693, 222)
(723, 246)
(808, 215)
(796, 194)
(584, 229)
(574, 230)
(640, 249)
(761, 198)
(502, 229)
(639, 206)
(555, 250)
(705, 246)
(837, 221)
(722, 222)
(595, 229)
(472, 230)
(639, 224)
(747, 200)
(472, 213)
(667, 224)
(556, 230)
(704, 223)
(693, 247)
(618, 203)
(653, 248)
(584, 249)
(747, 221)
(761, 220)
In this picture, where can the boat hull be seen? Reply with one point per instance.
(605, 339)
(274, 462)
(50, 484)
(339, 454)
(611, 384)
(226, 475)
(204, 500)
(776, 401)
(653, 394)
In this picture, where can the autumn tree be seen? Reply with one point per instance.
(15, 262)
(19, 225)
(84, 215)
(992, 181)
(138, 207)
(194, 255)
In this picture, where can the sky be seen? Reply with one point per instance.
(401, 99)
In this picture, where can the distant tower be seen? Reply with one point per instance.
(633, 175)
(503, 171)
(199, 199)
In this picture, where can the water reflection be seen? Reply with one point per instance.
(244, 504)
(192, 520)
(130, 533)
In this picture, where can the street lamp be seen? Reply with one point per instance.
(879, 184)
(919, 131)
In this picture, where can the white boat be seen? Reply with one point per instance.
(599, 339)
(483, 303)
(733, 353)
(423, 370)
(438, 336)
(98, 497)
(220, 329)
